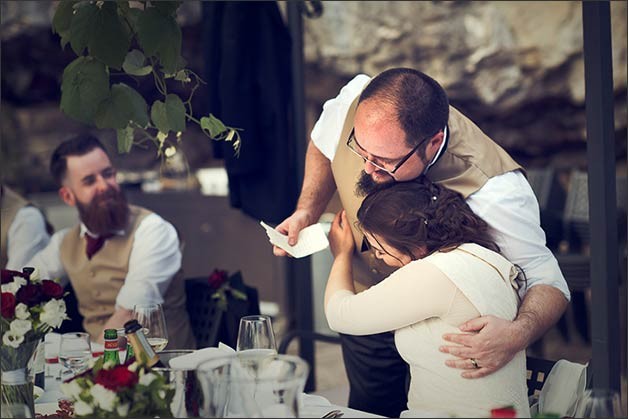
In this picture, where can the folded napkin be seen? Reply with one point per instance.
(193, 360)
(562, 388)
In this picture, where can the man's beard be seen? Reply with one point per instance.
(366, 184)
(107, 213)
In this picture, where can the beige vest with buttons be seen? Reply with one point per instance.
(471, 158)
(97, 282)
(10, 204)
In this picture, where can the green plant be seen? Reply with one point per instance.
(137, 39)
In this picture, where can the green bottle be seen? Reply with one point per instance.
(129, 352)
(111, 346)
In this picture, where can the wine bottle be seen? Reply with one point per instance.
(143, 352)
(112, 352)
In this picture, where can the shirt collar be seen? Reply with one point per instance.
(84, 230)
(441, 150)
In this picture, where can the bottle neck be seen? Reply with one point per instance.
(143, 352)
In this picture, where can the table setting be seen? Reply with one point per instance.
(250, 380)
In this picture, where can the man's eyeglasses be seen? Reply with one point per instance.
(381, 166)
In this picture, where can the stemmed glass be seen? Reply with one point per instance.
(600, 403)
(153, 321)
(75, 351)
(256, 337)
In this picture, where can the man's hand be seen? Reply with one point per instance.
(495, 342)
(291, 227)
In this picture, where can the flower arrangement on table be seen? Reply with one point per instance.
(116, 391)
(31, 307)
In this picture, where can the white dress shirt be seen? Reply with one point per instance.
(155, 258)
(27, 235)
(506, 202)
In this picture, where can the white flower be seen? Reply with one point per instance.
(19, 280)
(21, 311)
(103, 397)
(161, 394)
(34, 277)
(20, 327)
(146, 379)
(10, 338)
(123, 410)
(11, 287)
(71, 389)
(82, 409)
(53, 313)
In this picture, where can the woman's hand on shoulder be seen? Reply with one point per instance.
(340, 235)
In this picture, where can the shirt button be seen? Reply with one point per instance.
(375, 271)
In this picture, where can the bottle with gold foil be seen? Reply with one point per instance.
(143, 352)
(112, 352)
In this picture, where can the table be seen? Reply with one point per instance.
(313, 406)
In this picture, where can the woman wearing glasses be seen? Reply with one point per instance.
(450, 271)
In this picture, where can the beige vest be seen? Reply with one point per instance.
(97, 282)
(471, 158)
(11, 203)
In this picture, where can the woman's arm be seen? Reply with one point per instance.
(411, 294)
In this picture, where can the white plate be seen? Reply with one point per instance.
(46, 408)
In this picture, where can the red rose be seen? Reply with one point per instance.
(7, 275)
(51, 289)
(29, 294)
(217, 278)
(116, 378)
(8, 305)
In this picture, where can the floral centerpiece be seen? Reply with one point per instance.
(116, 391)
(31, 307)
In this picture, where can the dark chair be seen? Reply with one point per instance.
(551, 197)
(210, 324)
(537, 370)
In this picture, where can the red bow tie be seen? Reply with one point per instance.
(94, 244)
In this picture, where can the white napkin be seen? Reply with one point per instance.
(311, 239)
(193, 360)
(562, 388)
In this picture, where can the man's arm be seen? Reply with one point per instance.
(318, 188)
(116, 321)
(501, 339)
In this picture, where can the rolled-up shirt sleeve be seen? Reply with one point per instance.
(508, 204)
(155, 259)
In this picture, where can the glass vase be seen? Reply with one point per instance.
(17, 379)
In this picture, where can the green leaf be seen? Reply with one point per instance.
(81, 26)
(160, 36)
(62, 20)
(213, 125)
(84, 86)
(175, 110)
(124, 106)
(134, 64)
(109, 39)
(125, 139)
(159, 116)
(167, 8)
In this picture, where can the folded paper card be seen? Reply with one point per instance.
(311, 239)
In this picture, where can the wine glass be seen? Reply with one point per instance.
(600, 403)
(153, 321)
(75, 351)
(256, 337)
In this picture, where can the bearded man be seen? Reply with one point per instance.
(118, 255)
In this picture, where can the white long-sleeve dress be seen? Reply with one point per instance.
(426, 299)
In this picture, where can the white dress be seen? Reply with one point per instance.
(426, 299)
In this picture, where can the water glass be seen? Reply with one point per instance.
(256, 332)
(75, 351)
(265, 387)
(600, 403)
(152, 319)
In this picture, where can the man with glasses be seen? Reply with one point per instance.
(394, 128)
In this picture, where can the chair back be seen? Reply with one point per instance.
(537, 370)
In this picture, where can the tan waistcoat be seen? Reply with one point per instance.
(10, 203)
(471, 158)
(97, 282)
